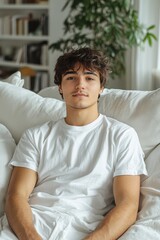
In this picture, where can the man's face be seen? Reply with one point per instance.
(80, 87)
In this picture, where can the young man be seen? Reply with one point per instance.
(77, 178)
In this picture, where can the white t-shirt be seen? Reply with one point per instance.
(76, 166)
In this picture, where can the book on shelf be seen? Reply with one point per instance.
(33, 53)
(1, 25)
(21, 1)
(6, 25)
(44, 24)
(38, 82)
(3, 2)
(18, 1)
(33, 25)
(44, 54)
(24, 25)
(18, 55)
(42, 1)
(11, 1)
(29, 1)
(15, 19)
(41, 81)
(37, 53)
(38, 26)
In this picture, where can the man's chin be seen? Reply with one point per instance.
(80, 106)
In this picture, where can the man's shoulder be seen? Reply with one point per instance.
(43, 128)
(115, 123)
(117, 127)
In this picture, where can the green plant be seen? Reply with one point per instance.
(109, 25)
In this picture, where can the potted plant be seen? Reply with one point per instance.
(110, 25)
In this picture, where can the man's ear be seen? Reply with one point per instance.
(101, 90)
(60, 89)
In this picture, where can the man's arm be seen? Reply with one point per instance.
(126, 193)
(17, 209)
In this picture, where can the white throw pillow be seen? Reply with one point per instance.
(21, 109)
(15, 79)
(50, 92)
(139, 109)
(147, 225)
(7, 147)
(150, 187)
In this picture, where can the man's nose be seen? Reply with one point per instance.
(80, 82)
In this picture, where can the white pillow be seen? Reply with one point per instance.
(15, 79)
(51, 92)
(7, 147)
(139, 109)
(21, 109)
(147, 225)
(150, 187)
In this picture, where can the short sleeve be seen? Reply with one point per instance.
(129, 157)
(26, 153)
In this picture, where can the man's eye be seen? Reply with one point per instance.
(70, 78)
(89, 78)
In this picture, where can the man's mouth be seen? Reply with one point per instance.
(80, 94)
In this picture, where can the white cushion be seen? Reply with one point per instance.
(150, 187)
(21, 109)
(147, 225)
(51, 92)
(7, 147)
(15, 79)
(139, 109)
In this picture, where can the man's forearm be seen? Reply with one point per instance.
(19, 216)
(116, 222)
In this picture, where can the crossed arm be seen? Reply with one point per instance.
(116, 222)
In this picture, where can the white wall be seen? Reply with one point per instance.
(56, 30)
(143, 61)
(139, 62)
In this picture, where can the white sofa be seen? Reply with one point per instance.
(21, 109)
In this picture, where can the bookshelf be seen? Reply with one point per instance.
(25, 37)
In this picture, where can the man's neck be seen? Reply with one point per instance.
(80, 117)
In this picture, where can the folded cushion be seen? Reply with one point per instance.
(150, 187)
(7, 147)
(15, 79)
(21, 109)
(139, 109)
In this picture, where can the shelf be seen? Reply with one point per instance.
(24, 38)
(24, 7)
(11, 64)
(30, 45)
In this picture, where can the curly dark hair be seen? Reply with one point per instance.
(89, 58)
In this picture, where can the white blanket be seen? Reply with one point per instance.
(147, 226)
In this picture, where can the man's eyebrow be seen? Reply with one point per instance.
(90, 72)
(70, 72)
(86, 72)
